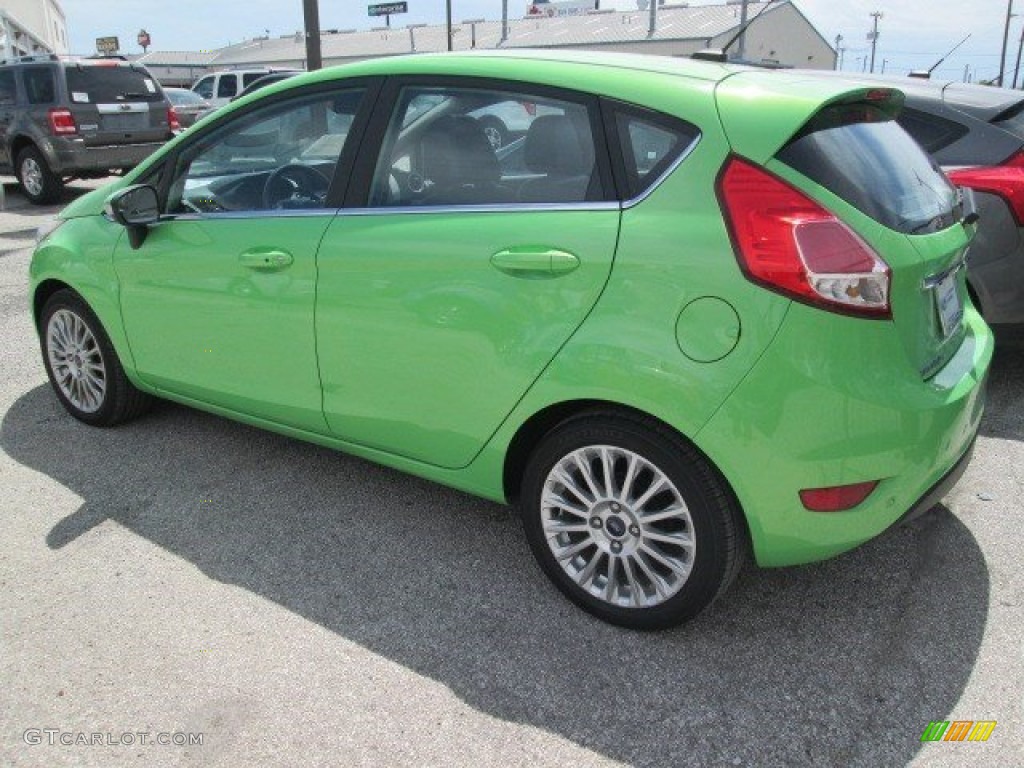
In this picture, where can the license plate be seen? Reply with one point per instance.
(948, 304)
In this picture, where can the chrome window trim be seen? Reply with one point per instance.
(634, 201)
(253, 214)
(603, 205)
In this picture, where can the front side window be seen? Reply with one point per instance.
(468, 146)
(227, 87)
(205, 87)
(39, 85)
(278, 157)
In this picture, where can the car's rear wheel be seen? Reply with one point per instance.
(38, 182)
(82, 365)
(630, 521)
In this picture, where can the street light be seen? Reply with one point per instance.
(873, 36)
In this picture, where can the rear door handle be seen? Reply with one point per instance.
(268, 261)
(535, 262)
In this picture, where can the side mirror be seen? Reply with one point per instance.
(135, 208)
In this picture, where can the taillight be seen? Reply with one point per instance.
(836, 498)
(788, 243)
(1006, 180)
(530, 107)
(172, 119)
(62, 122)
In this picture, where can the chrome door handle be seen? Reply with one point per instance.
(535, 262)
(266, 260)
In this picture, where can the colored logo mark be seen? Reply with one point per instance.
(958, 730)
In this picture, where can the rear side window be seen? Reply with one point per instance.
(931, 131)
(39, 86)
(7, 92)
(876, 167)
(251, 77)
(227, 87)
(110, 85)
(650, 143)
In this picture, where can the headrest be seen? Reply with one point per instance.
(456, 152)
(553, 146)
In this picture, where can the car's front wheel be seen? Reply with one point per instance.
(82, 365)
(38, 182)
(630, 521)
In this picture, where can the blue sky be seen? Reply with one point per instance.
(913, 33)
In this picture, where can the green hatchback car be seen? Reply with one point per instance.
(694, 311)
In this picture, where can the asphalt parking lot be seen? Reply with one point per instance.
(185, 575)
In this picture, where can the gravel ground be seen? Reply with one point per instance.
(297, 607)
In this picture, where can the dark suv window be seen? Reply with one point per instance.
(95, 84)
(227, 87)
(874, 166)
(7, 90)
(39, 85)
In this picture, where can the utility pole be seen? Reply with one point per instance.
(839, 52)
(652, 27)
(967, 71)
(741, 49)
(311, 15)
(1006, 37)
(874, 37)
(504, 23)
(1016, 68)
(448, 21)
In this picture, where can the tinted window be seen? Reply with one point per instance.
(205, 87)
(462, 146)
(251, 77)
(7, 91)
(874, 166)
(930, 131)
(650, 144)
(1012, 120)
(109, 85)
(227, 86)
(39, 86)
(282, 156)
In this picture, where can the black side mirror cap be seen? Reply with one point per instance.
(135, 208)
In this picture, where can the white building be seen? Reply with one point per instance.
(32, 26)
(782, 36)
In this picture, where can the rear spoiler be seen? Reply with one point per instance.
(785, 103)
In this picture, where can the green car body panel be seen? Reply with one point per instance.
(436, 362)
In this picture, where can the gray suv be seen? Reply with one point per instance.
(61, 120)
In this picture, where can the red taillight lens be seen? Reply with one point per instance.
(1006, 180)
(172, 119)
(530, 107)
(62, 122)
(836, 498)
(788, 243)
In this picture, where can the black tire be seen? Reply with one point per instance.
(496, 132)
(713, 522)
(38, 182)
(119, 401)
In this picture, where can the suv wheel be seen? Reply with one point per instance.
(37, 180)
(629, 521)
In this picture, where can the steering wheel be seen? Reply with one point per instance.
(295, 186)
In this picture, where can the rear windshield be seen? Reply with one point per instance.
(876, 167)
(107, 85)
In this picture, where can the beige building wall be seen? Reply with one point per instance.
(44, 19)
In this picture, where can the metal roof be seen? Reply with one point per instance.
(674, 23)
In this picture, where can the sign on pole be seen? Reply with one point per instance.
(107, 45)
(386, 9)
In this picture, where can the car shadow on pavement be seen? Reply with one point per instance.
(1004, 411)
(840, 663)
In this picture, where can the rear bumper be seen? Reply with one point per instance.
(939, 491)
(851, 410)
(72, 156)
